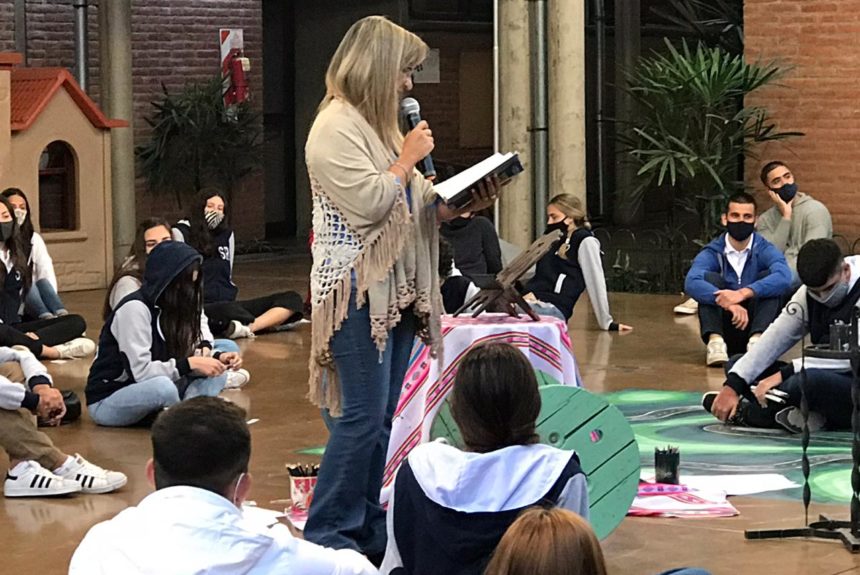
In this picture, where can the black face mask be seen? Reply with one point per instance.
(740, 231)
(560, 226)
(787, 192)
(6, 230)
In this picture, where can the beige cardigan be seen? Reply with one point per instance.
(362, 224)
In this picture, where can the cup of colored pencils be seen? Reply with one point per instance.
(303, 481)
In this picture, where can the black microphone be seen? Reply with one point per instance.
(411, 110)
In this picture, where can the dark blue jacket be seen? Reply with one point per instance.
(131, 345)
(763, 257)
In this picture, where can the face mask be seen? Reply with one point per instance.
(213, 218)
(834, 298)
(560, 226)
(6, 230)
(740, 231)
(787, 192)
(20, 215)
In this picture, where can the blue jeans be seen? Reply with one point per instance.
(345, 512)
(544, 308)
(132, 403)
(42, 301)
(225, 346)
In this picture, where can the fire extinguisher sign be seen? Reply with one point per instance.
(232, 45)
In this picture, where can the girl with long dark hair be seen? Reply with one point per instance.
(149, 346)
(207, 230)
(129, 277)
(42, 300)
(51, 338)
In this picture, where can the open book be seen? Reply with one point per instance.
(457, 190)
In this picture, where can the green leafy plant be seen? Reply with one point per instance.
(714, 22)
(196, 144)
(692, 130)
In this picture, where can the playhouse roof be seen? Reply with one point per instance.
(33, 88)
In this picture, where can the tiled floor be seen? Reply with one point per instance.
(662, 353)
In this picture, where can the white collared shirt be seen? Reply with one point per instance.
(186, 530)
(738, 259)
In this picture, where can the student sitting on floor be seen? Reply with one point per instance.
(450, 507)
(36, 467)
(738, 280)
(553, 541)
(52, 338)
(207, 231)
(572, 266)
(193, 522)
(128, 278)
(475, 244)
(149, 351)
(761, 392)
(42, 301)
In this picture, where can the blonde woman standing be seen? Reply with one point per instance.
(373, 282)
(571, 267)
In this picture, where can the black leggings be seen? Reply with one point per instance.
(50, 332)
(245, 312)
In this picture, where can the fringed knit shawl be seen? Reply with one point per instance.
(365, 239)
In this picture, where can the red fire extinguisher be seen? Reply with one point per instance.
(236, 67)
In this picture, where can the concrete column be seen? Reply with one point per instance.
(516, 201)
(116, 90)
(566, 38)
(7, 62)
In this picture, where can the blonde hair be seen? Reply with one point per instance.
(365, 71)
(571, 207)
(554, 541)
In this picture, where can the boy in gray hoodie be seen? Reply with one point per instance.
(795, 217)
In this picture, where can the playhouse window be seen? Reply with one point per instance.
(58, 189)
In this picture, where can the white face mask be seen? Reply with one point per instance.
(20, 215)
(213, 218)
(236, 502)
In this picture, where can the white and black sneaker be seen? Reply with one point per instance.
(238, 330)
(236, 379)
(29, 479)
(93, 479)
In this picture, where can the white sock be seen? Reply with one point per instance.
(65, 466)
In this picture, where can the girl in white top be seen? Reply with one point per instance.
(42, 300)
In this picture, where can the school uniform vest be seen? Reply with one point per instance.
(217, 276)
(822, 317)
(110, 371)
(557, 280)
(10, 297)
(435, 540)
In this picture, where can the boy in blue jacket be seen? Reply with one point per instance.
(738, 280)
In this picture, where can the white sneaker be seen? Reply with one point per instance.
(29, 479)
(689, 307)
(717, 353)
(237, 330)
(78, 347)
(237, 378)
(93, 479)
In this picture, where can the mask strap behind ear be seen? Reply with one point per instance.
(236, 490)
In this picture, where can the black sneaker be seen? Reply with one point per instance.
(792, 419)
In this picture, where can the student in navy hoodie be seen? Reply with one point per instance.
(151, 353)
(207, 231)
(450, 507)
(738, 280)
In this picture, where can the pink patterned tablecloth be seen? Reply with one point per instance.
(545, 343)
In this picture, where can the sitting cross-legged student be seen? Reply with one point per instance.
(449, 507)
(194, 521)
(149, 353)
(738, 280)
(760, 391)
(36, 467)
(553, 541)
(128, 279)
(208, 231)
(48, 338)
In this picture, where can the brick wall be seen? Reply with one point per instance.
(174, 42)
(818, 97)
